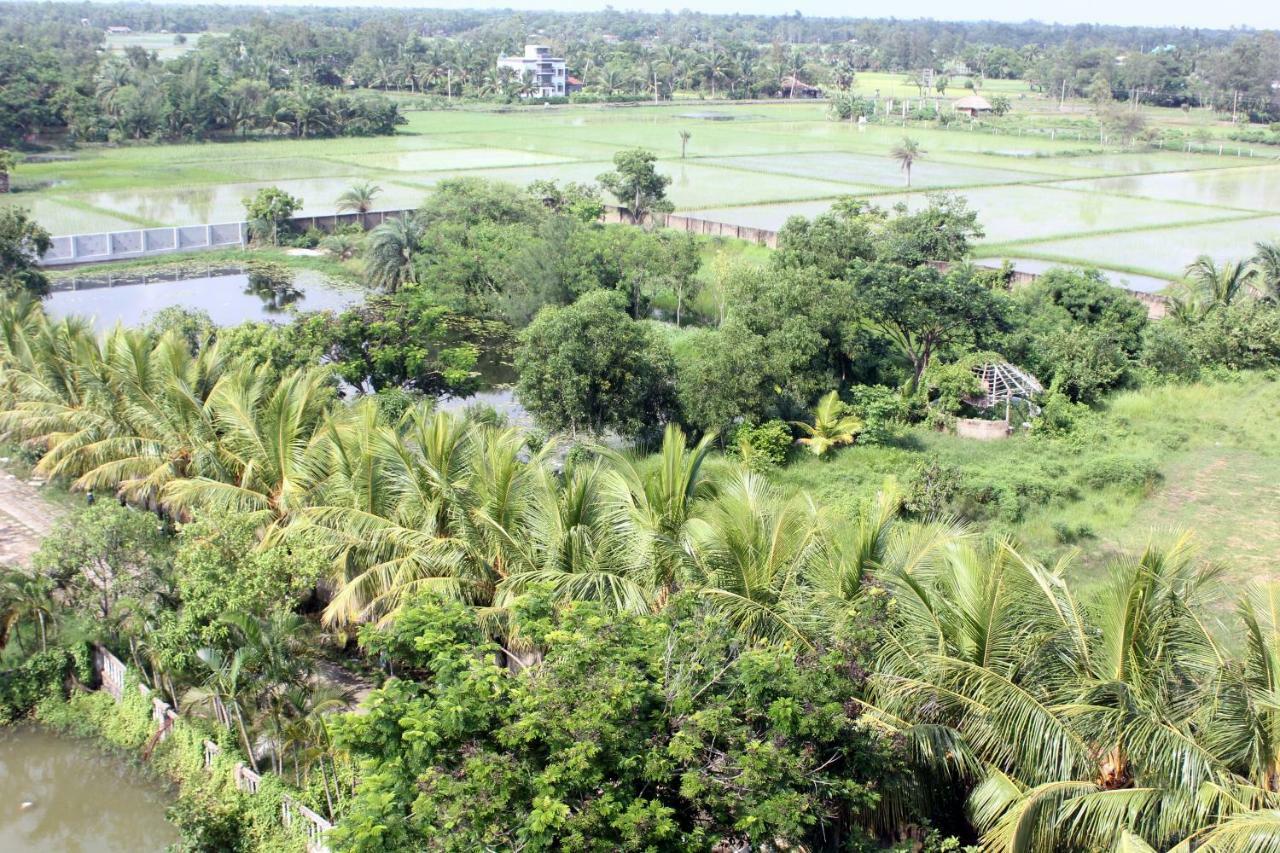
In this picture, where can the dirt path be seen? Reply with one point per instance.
(26, 517)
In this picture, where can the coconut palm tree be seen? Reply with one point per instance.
(389, 251)
(359, 197)
(224, 694)
(567, 542)
(128, 413)
(685, 136)
(656, 500)
(268, 449)
(752, 552)
(1214, 285)
(1266, 269)
(833, 426)
(398, 515)
(906, 152)
(25, 598)
(1068, 722)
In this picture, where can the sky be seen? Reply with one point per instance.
(1221, 14)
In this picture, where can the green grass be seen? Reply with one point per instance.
(1212, 445)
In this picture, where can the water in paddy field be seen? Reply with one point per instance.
(230, 295)
(80, 798)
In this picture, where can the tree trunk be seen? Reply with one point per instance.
(4, 181)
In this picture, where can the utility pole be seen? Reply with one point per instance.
(1062, 101)
(449, 86)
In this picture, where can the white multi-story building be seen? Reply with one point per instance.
(544, 71)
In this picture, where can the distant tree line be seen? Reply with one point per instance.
(285, 73)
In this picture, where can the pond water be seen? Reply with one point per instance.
(230, 295)
(82, 799)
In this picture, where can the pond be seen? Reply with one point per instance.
(81, 798)
(229, 294)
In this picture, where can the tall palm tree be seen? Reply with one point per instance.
(398, 515)
(752, 551)
(389, 252)
(906, 152)
(567, 541)
(359, 197)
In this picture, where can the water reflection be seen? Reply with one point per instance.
(82, 798)
(273, 284)
(229, 294)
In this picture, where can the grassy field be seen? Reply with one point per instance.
(1066, 199)
(1154, 463)
(162, 43)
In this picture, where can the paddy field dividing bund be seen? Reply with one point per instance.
(1067, 199)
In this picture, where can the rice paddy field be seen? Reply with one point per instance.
(1065, 200)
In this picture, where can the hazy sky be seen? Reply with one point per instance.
(1259, 14)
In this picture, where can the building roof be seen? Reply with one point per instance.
(972, 102)
(574, 81)
(792, 82)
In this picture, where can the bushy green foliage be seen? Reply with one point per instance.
(1124, 472)
(269, 211)
(22, 243)
(880, 410)
(38, 677)
(219, 569)
(762, 447)
(406, 340)
(108, 561)
(1076, 331)
(1242, 336)
(589, 367)
(632, 732)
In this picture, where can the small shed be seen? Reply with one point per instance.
(1002, 382)
(793, 88)
(972, 105)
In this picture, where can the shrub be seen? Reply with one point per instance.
(930, 489)
(39, 677)
(762, 447)
(1123, 471)
(879, 408)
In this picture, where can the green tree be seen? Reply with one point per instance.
(7, 164)
(636, 184)
(921, 311)
(906, 152)
(589, 367)
(22, 243)
(405, 341)
(220, 567)
(269, 212)
(699, 743)
(107, 561)
(359, 198)
(389, 252)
